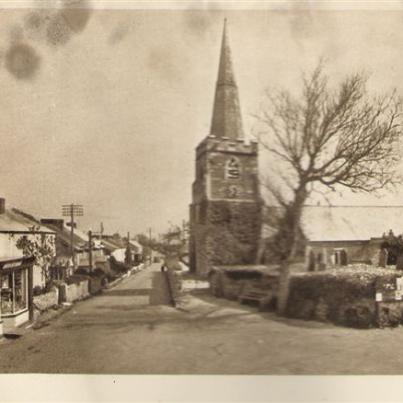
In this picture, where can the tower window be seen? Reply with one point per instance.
(232, 170)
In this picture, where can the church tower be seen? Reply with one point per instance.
(225, 214)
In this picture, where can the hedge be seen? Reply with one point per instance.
(344, 296)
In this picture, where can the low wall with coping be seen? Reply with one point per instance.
(230, 281)
(95, 285)
(45, 301)
(75, 291)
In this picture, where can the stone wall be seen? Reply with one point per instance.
(48, 300)
(230, 283)
(224, 233)
(95, 285)
(246, 182)
(74, 292)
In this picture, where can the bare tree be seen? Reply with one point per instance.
(326, 138)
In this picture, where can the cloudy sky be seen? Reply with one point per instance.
(105, 108)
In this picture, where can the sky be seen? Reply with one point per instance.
(105, 107)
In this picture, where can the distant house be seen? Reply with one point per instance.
(123, 252)
(111, 243)
(63, 264)
(26, 251)
(340, 235)
(22, 235)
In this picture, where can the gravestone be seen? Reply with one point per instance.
(383, 257)
(399, 262)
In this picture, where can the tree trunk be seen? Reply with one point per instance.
(284, 280)
(293, 223)
(283, 289)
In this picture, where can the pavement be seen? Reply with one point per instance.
(132, 329)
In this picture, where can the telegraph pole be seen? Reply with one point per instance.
(151, 251)
(128, 251)
(72, 210)
(90, 249)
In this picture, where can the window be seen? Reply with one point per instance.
(14, 291)
(340, 257)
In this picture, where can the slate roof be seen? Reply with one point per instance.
(351, 223)
(111, 244)
(64, 236)
(136, 245)
(13, 220)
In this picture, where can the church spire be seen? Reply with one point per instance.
(227, 121)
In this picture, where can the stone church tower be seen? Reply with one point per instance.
(225, 214)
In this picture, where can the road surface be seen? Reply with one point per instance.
(131, 329)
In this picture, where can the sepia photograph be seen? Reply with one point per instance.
(204, 189)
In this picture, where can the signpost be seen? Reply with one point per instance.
(72, 210)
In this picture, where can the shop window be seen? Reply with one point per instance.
(14, 292)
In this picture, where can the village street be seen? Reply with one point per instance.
(130, 329)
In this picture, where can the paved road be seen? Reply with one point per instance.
(97, 335)
(131, 330)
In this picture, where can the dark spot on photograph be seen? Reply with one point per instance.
(35, 21)
(76, 18)
(161, 61)
(119, 33)
(35, 24)
(198, 23)
(22, 61)
(58, 31)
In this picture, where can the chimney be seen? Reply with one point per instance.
(56, 222)
(2, 205)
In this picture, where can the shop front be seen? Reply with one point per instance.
(15, 292)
